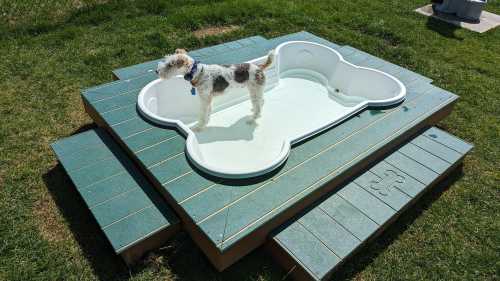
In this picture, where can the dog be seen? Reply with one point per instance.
(211, 80)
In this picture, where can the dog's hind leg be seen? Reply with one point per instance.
(256, 97)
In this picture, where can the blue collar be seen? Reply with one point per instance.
(190, 75)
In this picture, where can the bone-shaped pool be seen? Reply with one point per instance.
(309, 88)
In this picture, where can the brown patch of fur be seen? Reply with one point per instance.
(180, 51)
(268, 62)
(214, 30)
(180, 61)
(260, 78)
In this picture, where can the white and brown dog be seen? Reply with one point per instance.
(211, 80)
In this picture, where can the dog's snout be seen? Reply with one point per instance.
(157, 72)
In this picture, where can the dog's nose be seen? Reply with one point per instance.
(156, 71)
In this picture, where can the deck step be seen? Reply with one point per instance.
(316, 242)
(131, 213)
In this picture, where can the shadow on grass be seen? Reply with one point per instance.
(85, 230)
(86, 127)
(372, 249)
(180, 255)
(445, 29)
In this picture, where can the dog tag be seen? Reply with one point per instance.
(193, 91)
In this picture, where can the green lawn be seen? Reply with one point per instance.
(51, 49)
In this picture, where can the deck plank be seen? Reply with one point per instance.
(324, 227)
(447, 140)
(447, 154)
(316, 257)
(350, 217)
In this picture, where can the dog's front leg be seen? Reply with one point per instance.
(205, 110)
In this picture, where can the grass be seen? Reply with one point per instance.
(51, 49)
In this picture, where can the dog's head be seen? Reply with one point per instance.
(175, 64)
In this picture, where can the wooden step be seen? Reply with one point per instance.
(130, 212)
(316, 242)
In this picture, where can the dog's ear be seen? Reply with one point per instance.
(180, 51)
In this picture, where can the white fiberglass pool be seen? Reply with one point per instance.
(309, 88)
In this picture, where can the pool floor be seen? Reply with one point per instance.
(294, 109)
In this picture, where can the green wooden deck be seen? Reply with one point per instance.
(319, 240)
(124, 204)
(228, 218)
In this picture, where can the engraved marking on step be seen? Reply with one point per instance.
(389, 181)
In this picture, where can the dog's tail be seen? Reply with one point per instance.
(269, 61)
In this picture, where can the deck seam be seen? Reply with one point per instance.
(438, 142)
(437, 172)
(155, 144)
(341, 225)
(430, 169)
(165, 160)
(101, 180)
(430, 152)
(137, 133)
(128, 215)
(113, 197)
(357, 208)
(198, 192)
(117, 95)
(146, 236)
(319, 239)
(115, 109)
(123, 121)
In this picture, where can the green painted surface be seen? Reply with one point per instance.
(347, 215)
(447, 154)
(133, 126)
(121, 200)
(321, 225)
(351, 214)
(385, 187)
(316, 257)
(151, 138)
(448, 140)
(228, 210)
(410, 187)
